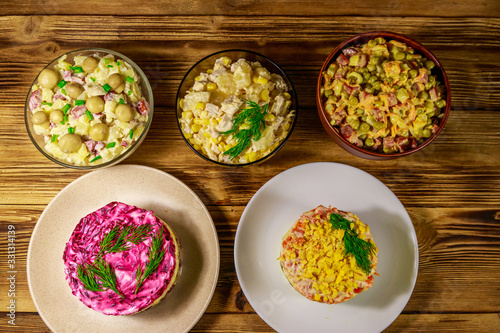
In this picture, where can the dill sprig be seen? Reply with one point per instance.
(253, 116)
(155, 256)
(354, 245)
(100, 275)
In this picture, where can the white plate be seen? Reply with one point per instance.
(278, 205)
(147, 188)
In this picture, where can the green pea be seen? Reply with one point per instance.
(371, 67)
(380, 69)
(329, 107)
(380, 40)
(364, 127)
(328, 93)
(399, 55)
(396, 87)
(362, 136)
(372, 79)
(430, 64)
(378, 104)
(374, 60)
(403, 77)
(423, 95)
(369, 142)
(432, 78)
(402, 95)
(363, 70)
(404, 66)
(423, 116)
(440, 103)
(330, 73)
(333, 98)
(426, 133)
(369, 90)
(355, 123)
(364, 117)
(372, 43)
(353, 101)
(378, 125)
(428, 86)
(360, 111)
(413, 73)
(366, 76)
(423, 59)
(377, 85)
(344, 95)
(420, 111)
(382, 76)
(409, 56)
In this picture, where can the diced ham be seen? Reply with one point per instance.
(78, 111)
(94, 147)
(389, 142)
(342, 60)
(347, 131)
(376, 144)
(418, 86)
(109, 96)
(124, 143)
(433, 94)
(339, 115)
(349, 52)
(35, 100)
(350, 90)
(58, 96)
(363, 95)
(434, 129)
(68, 76)
(97, 116)
(402, 143)
(378, 114)
(423, 77)
(413, 143)
(391, 99)
(362, 61)
(143, 107)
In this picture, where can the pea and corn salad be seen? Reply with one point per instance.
(382, 96)
(236, 112)
(88, 111)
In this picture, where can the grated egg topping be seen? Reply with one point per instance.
(314, 261)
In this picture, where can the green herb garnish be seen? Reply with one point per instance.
(93, 80)
(121, 101)
(54, 138)
(46, 103)
(106, 60)
(89, 115)
(106, 87)
(76, 69)
(131, 133)
(354, 245)
(129, 79)
(61, 83)
(79, 102)
(111, 145)
(253, 117)
(118, 62)
(100, 275)
(129, 92)
(71, 130)
(155, 256)
(109, 66)
(95, 158)
(63, 91)
(66, 108)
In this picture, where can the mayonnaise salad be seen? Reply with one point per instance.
(90, 110)
(221, 94)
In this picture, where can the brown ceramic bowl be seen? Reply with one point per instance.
(360, 39)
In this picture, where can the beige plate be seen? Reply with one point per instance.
(150, 189)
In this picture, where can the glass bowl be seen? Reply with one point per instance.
(363, 38)
(147, 93)
(208, 63)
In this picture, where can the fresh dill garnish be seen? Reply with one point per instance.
(100, 275)
(354, 245)
(253, 117)
(155, 256)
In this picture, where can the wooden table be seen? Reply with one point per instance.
(451, 189)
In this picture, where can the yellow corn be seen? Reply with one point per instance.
(226, 60)
(214, 122)
(262, 80)
(200, 105)
(204, 114)
(197, 78)
(212, 86)
(187, 114)
(251, 156)
(210, 71)
(196, 146)
(206, 134)
(264, 95)
(188, 135)
(204, 122)
(287, 95)
(196, 128)
(269, 117)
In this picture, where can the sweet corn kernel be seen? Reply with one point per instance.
(210, 71)
(188, 135)
(196, 146)
(200, 105)
(206, 134)
(262, 80)
(264, 95)
(187, 114)
(255, 79)
(214, 122)
(212, 86)
(204, 114)
(287, 95)
(204, 121)
(198, 78)
(269, 117)
(226, 60)
(196, 128)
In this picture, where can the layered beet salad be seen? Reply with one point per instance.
(121, 259)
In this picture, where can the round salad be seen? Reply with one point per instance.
(237, 112)
(89, 110)
(383, 96)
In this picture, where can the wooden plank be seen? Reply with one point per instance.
(251, 322)
(456, 246)
(257, 9)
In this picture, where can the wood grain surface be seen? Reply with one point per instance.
(451, 189)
